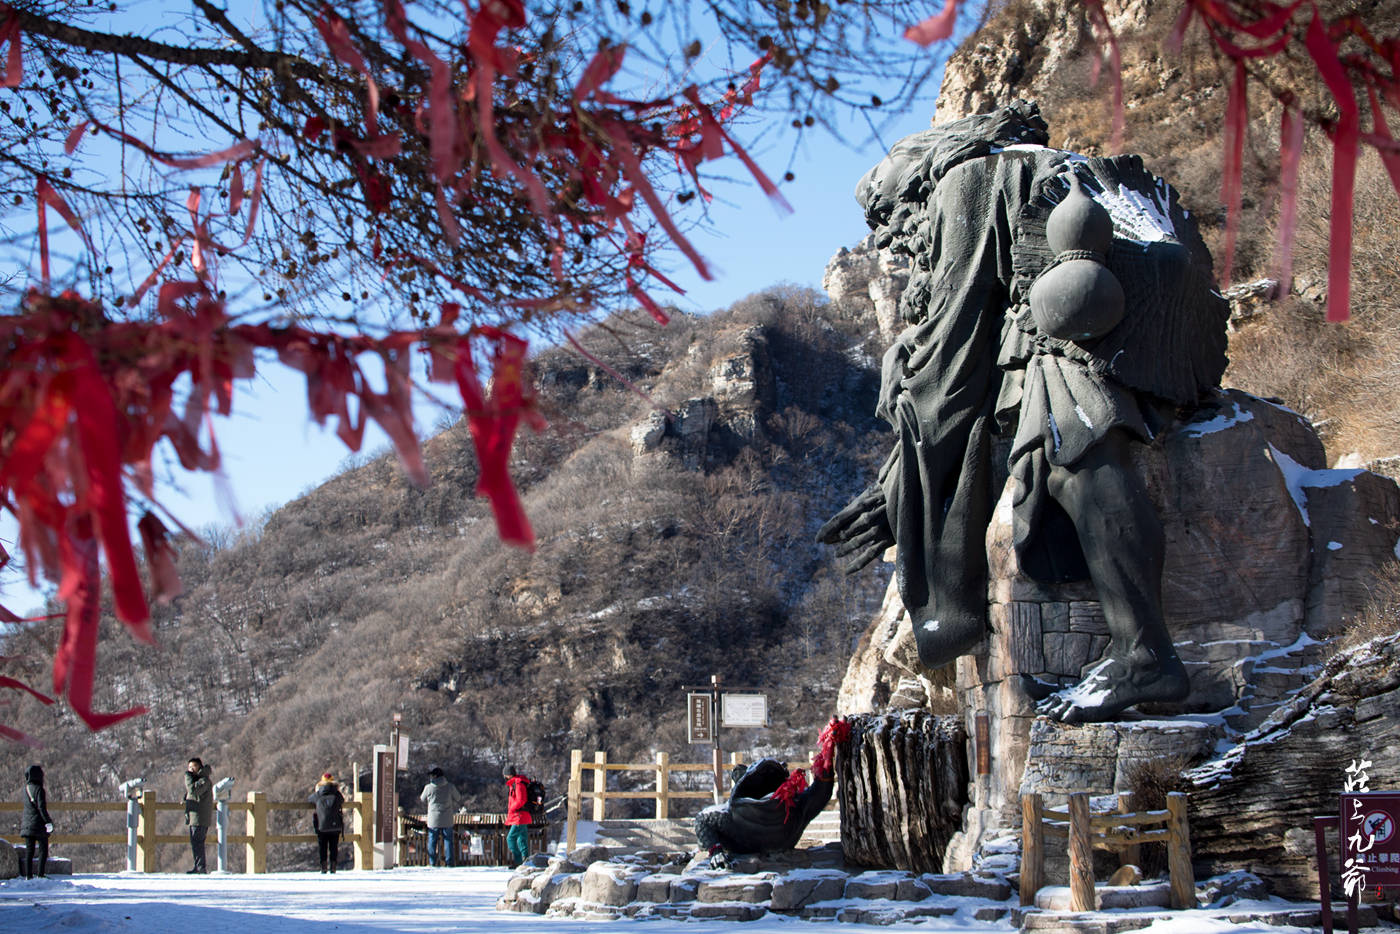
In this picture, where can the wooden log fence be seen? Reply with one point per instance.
(661, 791)
(256, 838)
(80, 806)
(1122, 830)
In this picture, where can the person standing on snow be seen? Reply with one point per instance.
(36, 825)
(199, 808)
(329, 820)
(442, 798)
(517, 815)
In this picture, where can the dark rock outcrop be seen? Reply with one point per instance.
(1252, 807)
(904, 781)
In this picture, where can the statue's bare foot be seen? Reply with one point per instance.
(1036, 689)
(1113, 685)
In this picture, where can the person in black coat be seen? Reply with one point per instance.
(36, 825)
(199, 808)
(329, 820)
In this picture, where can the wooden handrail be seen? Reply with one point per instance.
(147, 838)
(661, 792)
(68, 806)
(1122, 831)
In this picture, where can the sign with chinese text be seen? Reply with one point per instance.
(743, 710)
(385, 800)
(700, 718)
(1370, 843)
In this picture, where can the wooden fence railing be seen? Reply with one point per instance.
(661, 792)
(256, 838)
(82, 806)
(479, 840)
(1122, 830)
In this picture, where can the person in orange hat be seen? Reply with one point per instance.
(329, 820)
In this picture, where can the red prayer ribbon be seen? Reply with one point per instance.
(936, 27)
(14, 62)
(1236, 124)
(1345, 139)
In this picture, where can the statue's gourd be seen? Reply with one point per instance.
(1077, 298)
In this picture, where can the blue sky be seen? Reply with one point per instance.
(273, 452)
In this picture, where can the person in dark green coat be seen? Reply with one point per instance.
(199, 808)
(36, 825)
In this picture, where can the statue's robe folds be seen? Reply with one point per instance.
(974, 364)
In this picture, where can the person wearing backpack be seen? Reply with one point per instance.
(442, 799)
(517, 815)
(36, 824)
(328, 820)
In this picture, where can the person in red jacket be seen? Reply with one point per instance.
(517, 815)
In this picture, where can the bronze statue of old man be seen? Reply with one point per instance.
(1066, 303)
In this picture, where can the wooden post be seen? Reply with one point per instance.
(575, 804)
(400, 838)
(1324, 884)
(663, 785)
(257, 833)
(146, 834)
(1129, 853)
(1032, 847)
(1183, 878)
(364, 827)
(600, 783)
(1081, 854)
(716, 758)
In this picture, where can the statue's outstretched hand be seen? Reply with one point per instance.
(861, 531)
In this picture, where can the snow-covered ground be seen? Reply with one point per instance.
(413, 901)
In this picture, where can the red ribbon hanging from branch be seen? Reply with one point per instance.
(493, 421)
(75, 662)
(936, 27)
(14, 62)
(1346, 136)
(1290, 156)
(1231, 184)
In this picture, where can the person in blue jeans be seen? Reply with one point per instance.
(442, 798)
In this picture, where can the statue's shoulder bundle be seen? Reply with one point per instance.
(1111, 270)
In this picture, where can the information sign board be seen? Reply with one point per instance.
(1370, 841)
(699, 718)
(743, 710)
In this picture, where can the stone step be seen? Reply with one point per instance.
(1271, 688)
(809, 885)
(1040, 921)
(57, 865)
(824, 828)
(627, 836)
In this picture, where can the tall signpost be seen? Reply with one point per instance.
(385, 807)
(707, 710)
(387, 761)
(716, 762)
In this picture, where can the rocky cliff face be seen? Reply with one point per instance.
(1252, 807)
